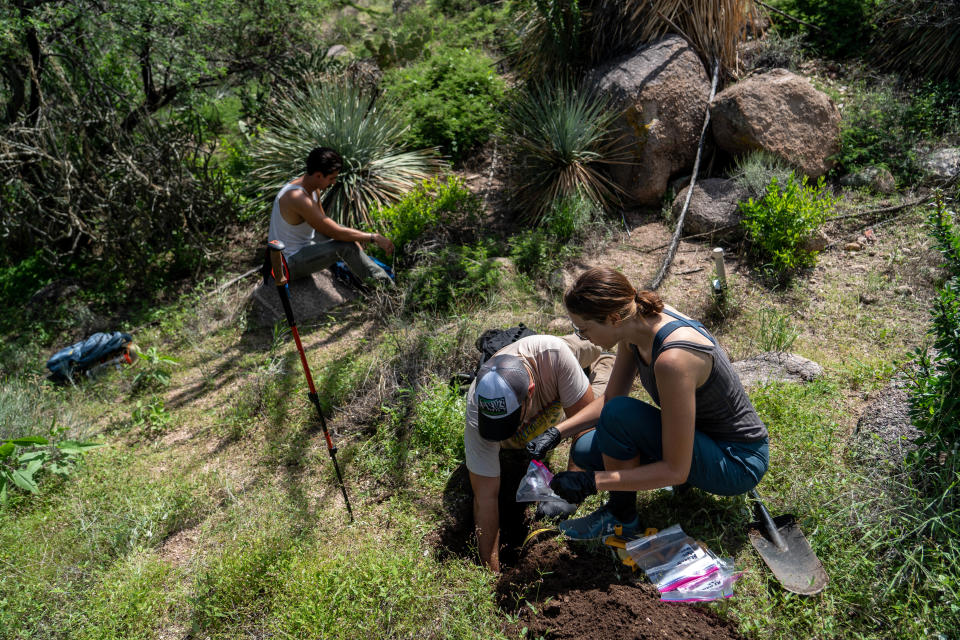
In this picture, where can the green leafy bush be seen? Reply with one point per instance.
(779, 225)
(437, 210)
(22, 459)
(153, 370)
(561, 139)
(935, 397)
(452, 277)
(450, 100)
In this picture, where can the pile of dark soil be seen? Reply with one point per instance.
(559, 591)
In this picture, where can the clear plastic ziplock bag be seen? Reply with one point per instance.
(718, 584)
(535, 486)
(692, 564)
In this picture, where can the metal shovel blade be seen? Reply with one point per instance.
(795, 565)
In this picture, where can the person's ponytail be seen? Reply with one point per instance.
(601, 292)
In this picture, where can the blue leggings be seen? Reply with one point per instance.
(629, 428)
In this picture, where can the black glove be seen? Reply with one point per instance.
(574, 486)
(541, 445)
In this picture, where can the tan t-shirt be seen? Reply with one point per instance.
(559, 381)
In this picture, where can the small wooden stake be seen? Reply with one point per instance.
(720, 282)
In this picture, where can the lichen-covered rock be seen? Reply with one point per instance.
(713, 208)
(878, 179)
(310, 298)
(781, 113)
(942, 164)
(661, 92)
(776, 366)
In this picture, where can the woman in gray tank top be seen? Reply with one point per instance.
(703, 432)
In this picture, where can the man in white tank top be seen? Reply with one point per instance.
(313, 241)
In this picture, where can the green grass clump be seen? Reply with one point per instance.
(132, 600)
(884, 125)
(438, 421)
(385, 587)
(453, 277)
(59, 547)
(450, 100)
(780, 223)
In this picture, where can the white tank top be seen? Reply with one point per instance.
(293, 236)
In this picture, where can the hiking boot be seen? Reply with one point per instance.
(596, 525)
(554, 509)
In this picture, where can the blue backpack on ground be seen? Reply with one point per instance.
(83, 355)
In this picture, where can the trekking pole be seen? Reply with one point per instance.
(279, 264)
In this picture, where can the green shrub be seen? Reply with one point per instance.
(779, 224)
(561, 139)
(438, 421)
(454, 276)
(436, 210)
(450, 100)
(883, 125)
(563, 230)
(935, 397)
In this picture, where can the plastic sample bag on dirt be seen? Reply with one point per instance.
(681, 568)
(535, 486)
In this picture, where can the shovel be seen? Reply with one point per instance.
(782, 545)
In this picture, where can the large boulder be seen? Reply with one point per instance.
(782, 113)
(310, 298)
(661, 92)
(776, 366)
(713, 208)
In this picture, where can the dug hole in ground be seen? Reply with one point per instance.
(563, 589)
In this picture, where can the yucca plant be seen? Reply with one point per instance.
(562, 141)
(364, 128)
(568, 36)
(921, 35)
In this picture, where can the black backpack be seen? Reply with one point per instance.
(489, 342)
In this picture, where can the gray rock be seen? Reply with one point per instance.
(878, 179)
(337, 50)
(661, 92)
(817, 242)
(776, 366)
(781, 113)
(713, 207)
(310, 298)
(942, 164)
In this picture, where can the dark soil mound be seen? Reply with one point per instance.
(583, 593)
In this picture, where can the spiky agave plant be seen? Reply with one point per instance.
(363, 127)
(561, 137)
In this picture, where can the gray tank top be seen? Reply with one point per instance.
(724, 411)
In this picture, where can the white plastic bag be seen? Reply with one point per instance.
(535, 486)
